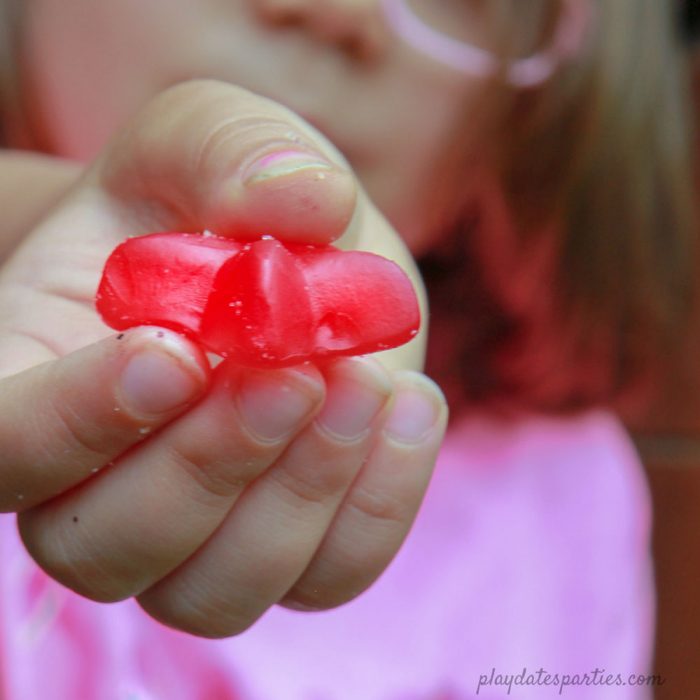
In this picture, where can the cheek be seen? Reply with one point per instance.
(89, 67)
(410, 185)
(422, 109)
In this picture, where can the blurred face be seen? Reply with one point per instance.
(385, 105)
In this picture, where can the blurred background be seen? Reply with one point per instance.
(667, 435)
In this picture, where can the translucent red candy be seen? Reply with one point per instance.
(262, 303)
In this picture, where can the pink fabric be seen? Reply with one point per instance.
(531, 550)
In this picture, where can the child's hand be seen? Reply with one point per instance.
(294, 486)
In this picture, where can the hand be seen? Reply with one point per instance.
(135, 469)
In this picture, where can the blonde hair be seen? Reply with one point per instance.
(575, 261)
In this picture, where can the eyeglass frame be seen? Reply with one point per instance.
(570, 34)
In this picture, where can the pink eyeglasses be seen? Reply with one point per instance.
(438, 38)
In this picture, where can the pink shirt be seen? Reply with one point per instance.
(531, 550)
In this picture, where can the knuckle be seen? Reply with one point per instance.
(315, 592)
(379, 507)
(310, 602)
(311, 482)
(76, 433)
(214, 626)
(71, 561)
(247, 132)
(213, 479)
(202, 617)
(322, 604)
(215, 140)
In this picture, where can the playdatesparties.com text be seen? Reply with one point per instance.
(561, 681)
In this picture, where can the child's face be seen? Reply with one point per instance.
(93, 63)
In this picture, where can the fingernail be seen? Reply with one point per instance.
(154, 381)
(283, 163)
(274, 403)
(357, 391)
(415, 411)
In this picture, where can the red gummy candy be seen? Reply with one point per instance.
(163, 279)
(361, 302)
(258, 309)
(262, 303)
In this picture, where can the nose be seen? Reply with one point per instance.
(356, 27)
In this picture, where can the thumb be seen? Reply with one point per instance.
(212, 155)
(65, 419)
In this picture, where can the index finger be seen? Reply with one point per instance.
(62, 421)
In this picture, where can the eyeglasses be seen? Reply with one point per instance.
(440, 29)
